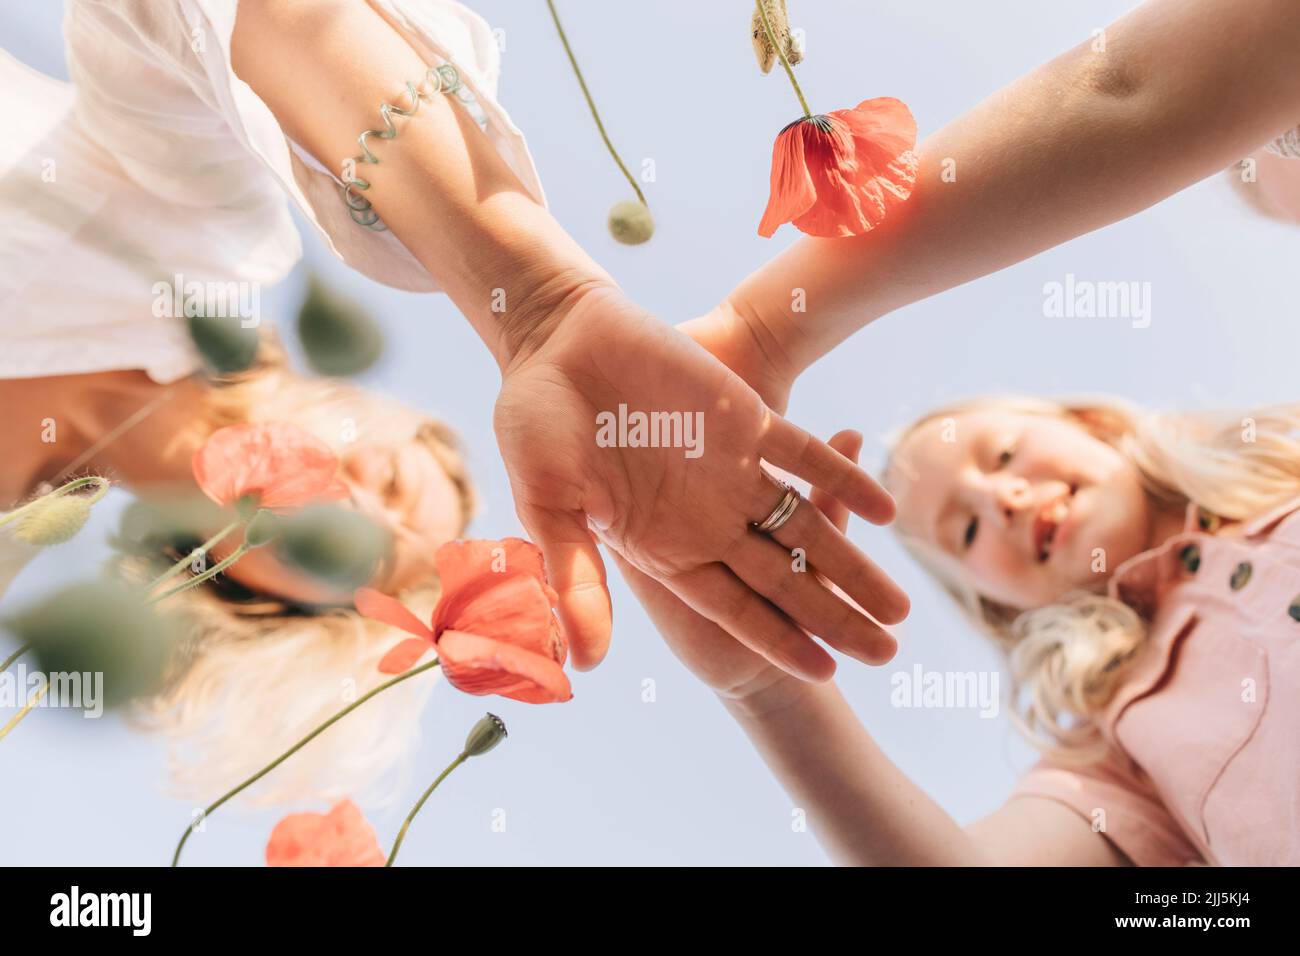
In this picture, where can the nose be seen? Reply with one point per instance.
(1009, 495)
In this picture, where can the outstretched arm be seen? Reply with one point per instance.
(1173, 92)
(867, 812)
(323, 67)
(572, 347)
(864, 810)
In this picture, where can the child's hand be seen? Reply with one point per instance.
(729, 668)
(739, 342)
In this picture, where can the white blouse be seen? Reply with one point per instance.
(157, 167)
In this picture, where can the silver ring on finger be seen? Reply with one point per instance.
(781, 513)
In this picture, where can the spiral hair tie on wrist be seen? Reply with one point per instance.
(438, 79)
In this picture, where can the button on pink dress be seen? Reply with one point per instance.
(1204, 763)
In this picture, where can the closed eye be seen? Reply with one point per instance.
(969, 538)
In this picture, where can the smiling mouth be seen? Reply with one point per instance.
(1048, 522)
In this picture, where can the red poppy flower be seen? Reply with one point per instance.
(282, 465)
(839, 174)
(493, 627)
(341, 837)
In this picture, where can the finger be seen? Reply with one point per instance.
(714, 591)
(849, 444)
(797, 591)
(661, 604)
(790, 447)
(841, 562)
(577, 573)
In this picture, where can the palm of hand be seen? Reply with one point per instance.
(682, 520)
(664, 512)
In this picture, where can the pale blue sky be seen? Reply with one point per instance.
(607, 778)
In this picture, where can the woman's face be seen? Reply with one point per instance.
(402, 487)
(1025, 507)
(405, 488)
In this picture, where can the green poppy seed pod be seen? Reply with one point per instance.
(223, 341)
(485, 735)
(150, 526)
(98, 628)
(338, 547)
(630, 222)
(141, 527)
(338, 336)
(53, 520)
(263, 529)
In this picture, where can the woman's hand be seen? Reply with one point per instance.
(682, 514)
(735, 673)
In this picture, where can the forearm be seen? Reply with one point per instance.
(324, 67)
(1182, 89)
(864, 810)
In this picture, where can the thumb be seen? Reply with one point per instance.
(576, 571)
(849, 444)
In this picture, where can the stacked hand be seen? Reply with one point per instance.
(684, 522)
(730, 669)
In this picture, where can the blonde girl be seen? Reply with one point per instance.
(1141, 573)
(1150, 608)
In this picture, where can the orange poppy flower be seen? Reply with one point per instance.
(341, 837)
(282, 465)
(839, 174)
(493, 627)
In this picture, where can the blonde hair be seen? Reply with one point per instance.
(254, 674)
(1068, 658)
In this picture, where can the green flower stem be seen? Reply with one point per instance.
(595, 114)
(207, 575)
(61, 490)
(401, 834)
(204, 548)
(771, 35)
(17, 718)
(14, 656)
(208, 811)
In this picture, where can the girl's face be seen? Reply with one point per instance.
(1025, 507)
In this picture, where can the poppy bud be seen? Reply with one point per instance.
(780, 22)
(53, 521)
(630, 222)
(338, 336)
(338, 547)
(151, 526)
(223, 341)
(98, 627)
(485, 735)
